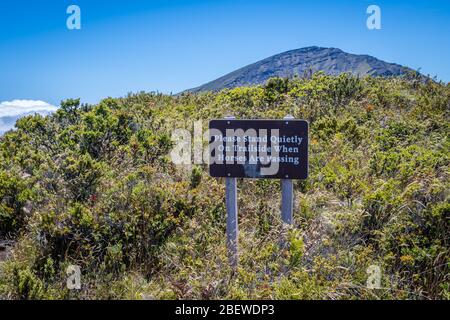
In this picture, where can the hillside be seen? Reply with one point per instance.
(94, 186)
(301, 62)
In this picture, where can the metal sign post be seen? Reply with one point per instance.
(232, 219)
(287, 201)
(287, 194)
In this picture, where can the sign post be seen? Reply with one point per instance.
(232, 219)
(287, 193)
(257, 149)
(287, 201)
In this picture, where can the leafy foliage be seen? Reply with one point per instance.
(93, 185)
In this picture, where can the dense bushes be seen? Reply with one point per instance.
(14, 196)
(94, 186)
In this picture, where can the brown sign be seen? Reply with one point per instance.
(263, 149)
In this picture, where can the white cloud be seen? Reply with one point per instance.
(19, 107)
(10, 111)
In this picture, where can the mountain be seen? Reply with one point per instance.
(299, 62)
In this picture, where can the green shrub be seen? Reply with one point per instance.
(14, 196)
(93, 185)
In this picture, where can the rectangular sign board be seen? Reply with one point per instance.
(261, 149)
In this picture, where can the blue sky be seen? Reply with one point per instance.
(172, 45)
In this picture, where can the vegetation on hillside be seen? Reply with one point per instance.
(93, 185)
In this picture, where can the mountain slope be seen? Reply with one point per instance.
(298, 62)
